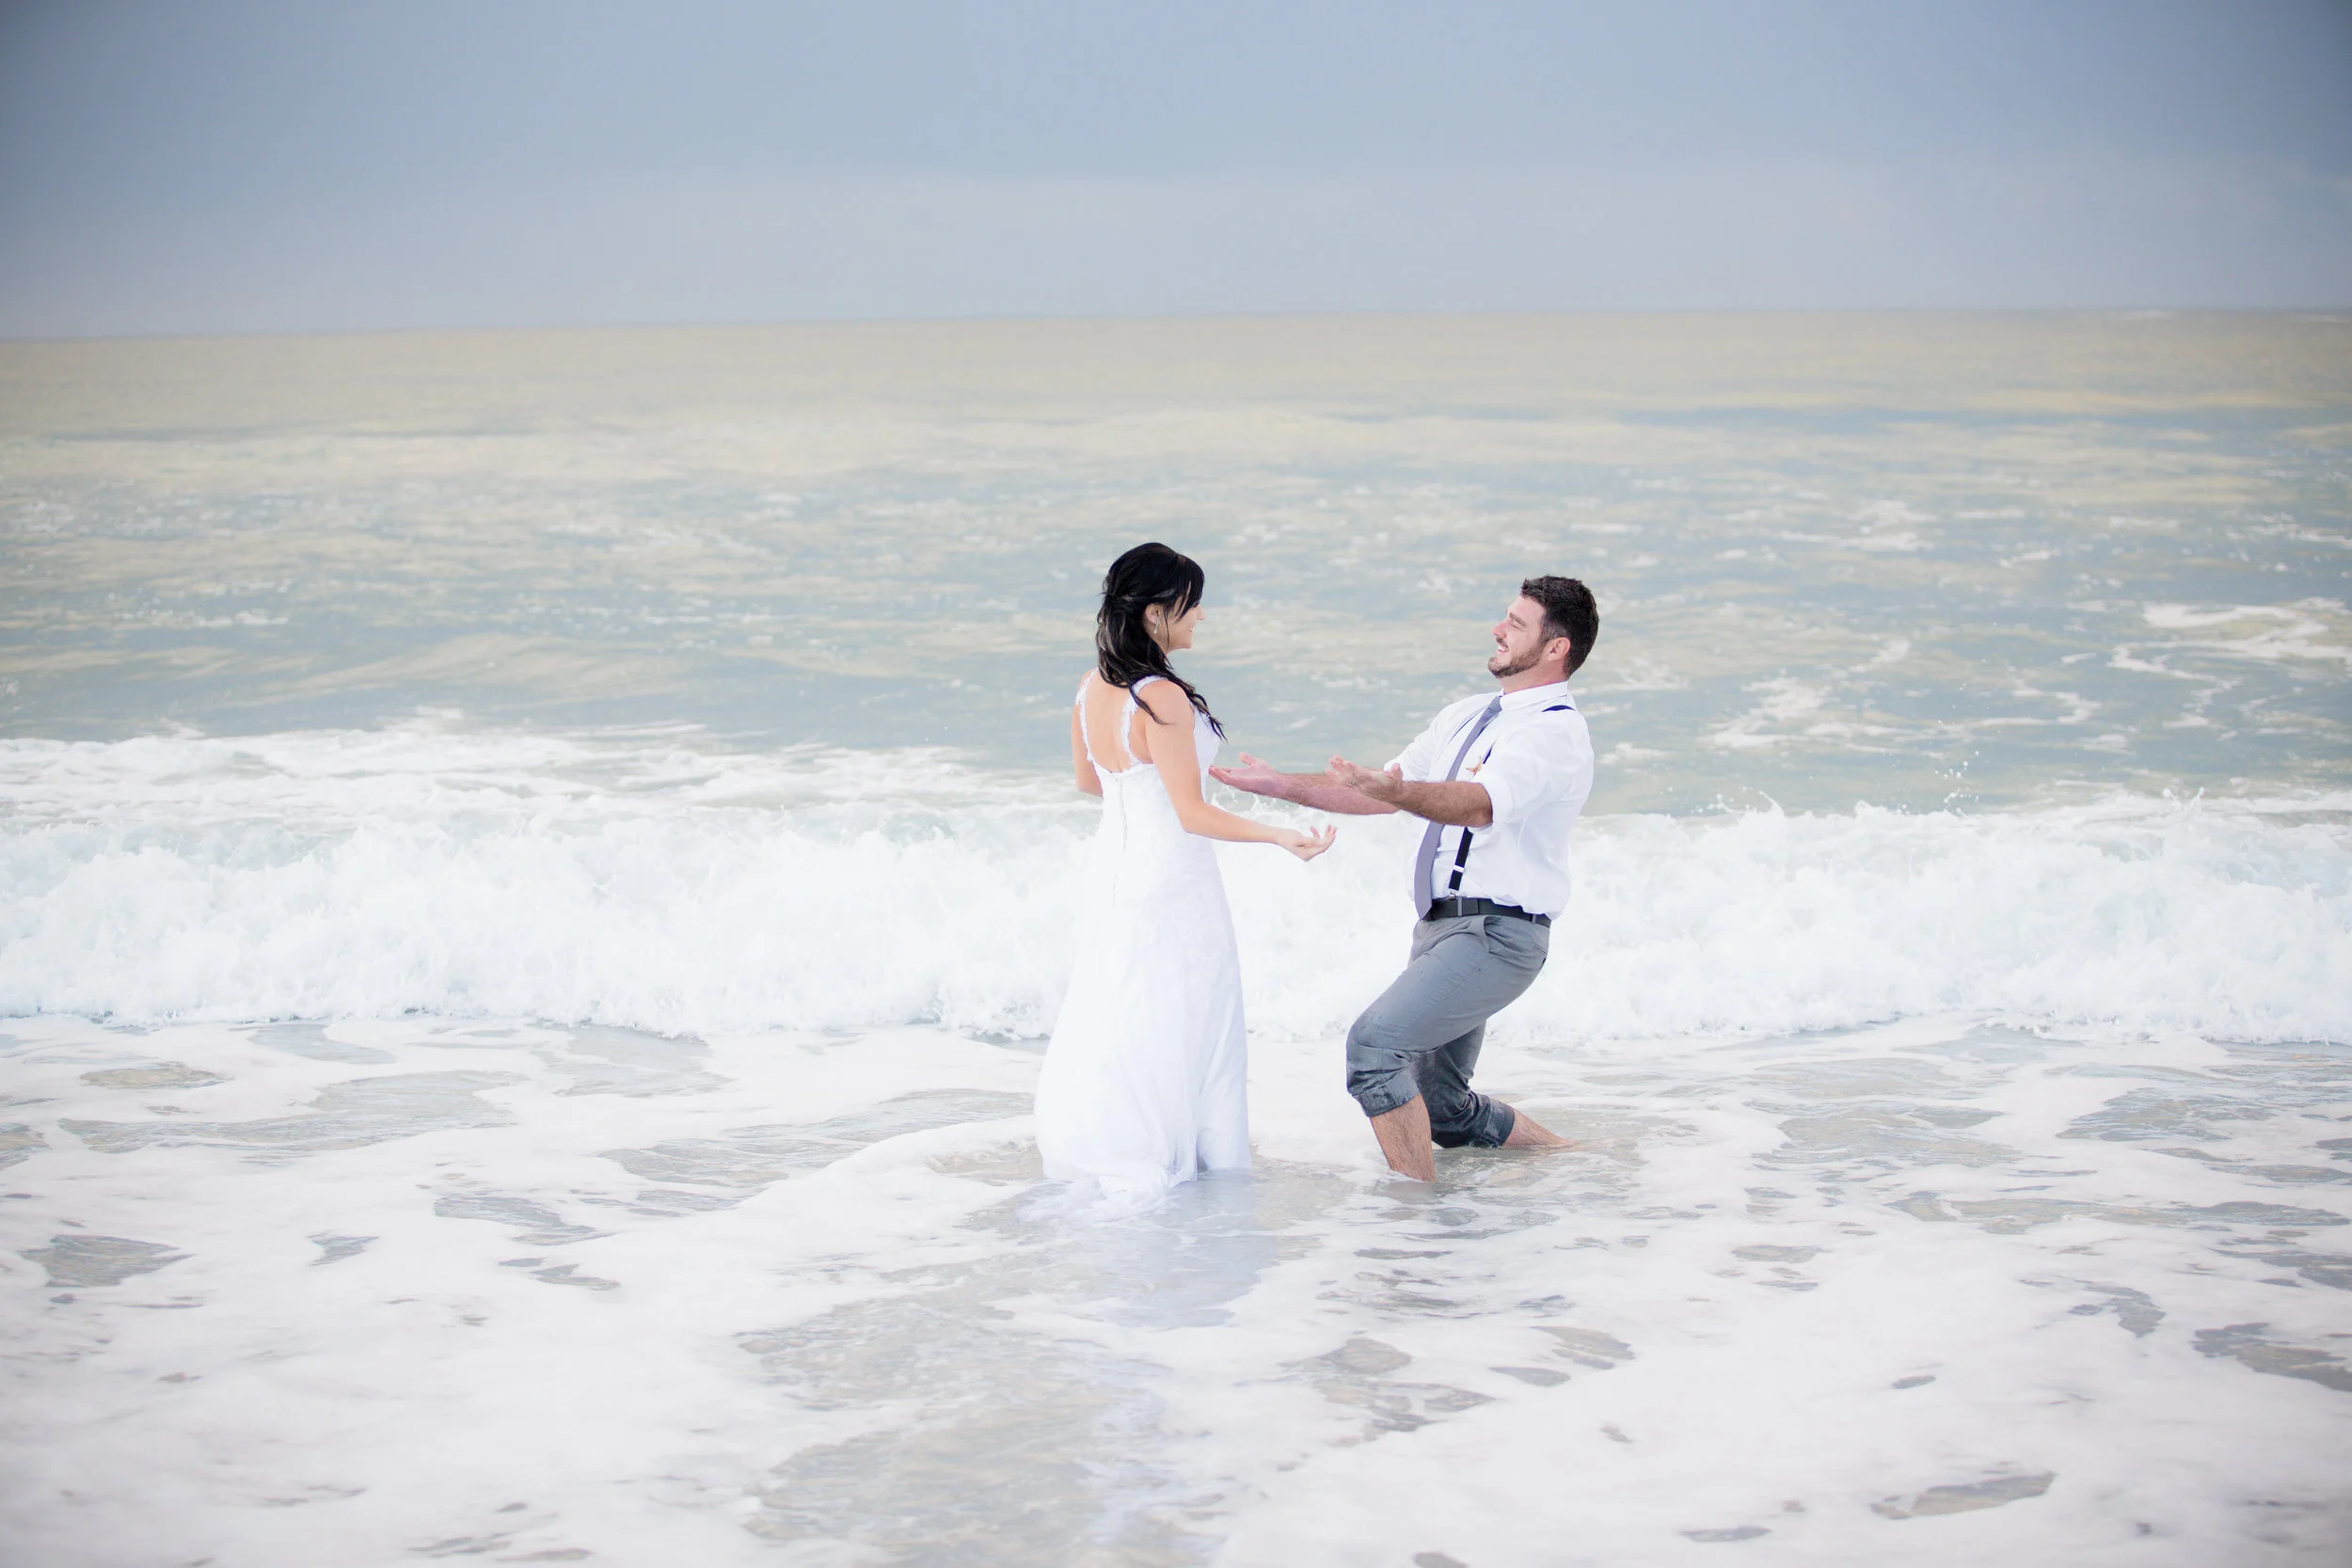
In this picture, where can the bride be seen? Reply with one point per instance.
(1144, 1084)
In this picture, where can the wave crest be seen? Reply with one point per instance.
(643, 881)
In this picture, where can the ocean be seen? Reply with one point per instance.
(535, 870)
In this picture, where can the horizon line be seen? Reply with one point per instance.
(2313, 312)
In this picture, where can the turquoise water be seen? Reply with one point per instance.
(536, 871)
(1912, 561)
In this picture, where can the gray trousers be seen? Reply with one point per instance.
(1422, 1035)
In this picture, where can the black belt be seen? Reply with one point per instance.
(1458, 908)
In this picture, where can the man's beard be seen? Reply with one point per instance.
(1502, 669)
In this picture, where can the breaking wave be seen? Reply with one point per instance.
(652, 880)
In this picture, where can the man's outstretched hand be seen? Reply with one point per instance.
(1315, 791)
(1454, 802)
(1254, 776)
(1387, 788)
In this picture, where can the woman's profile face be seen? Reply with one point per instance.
(1177, 634)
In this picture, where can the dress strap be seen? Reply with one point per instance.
(1135, 702)
(1127, 718)
(1127, 713)
(1086, 731)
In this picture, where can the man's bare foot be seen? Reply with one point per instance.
(1403, 1135)
(1527, 1132)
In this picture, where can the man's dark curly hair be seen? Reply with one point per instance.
(1568, 611)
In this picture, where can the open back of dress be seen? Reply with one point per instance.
(1145, 1083)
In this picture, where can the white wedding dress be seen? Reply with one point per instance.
(1145, 1083)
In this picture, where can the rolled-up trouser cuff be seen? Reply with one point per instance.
(1382, 1088)
(1478, 1122)
(1458, 1117)
(1421, 1036)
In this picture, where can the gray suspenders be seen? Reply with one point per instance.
(1461, 856)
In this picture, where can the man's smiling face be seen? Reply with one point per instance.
(1519, 641)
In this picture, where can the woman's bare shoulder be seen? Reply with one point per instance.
(1161, 698)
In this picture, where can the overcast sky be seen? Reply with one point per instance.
(230, 166)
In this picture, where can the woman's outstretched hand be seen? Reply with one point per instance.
(1308, 845)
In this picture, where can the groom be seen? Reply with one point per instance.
(1500, 781)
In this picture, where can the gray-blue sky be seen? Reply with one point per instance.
(185, 168)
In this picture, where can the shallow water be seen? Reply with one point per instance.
(1936, 1291)
(535, 870)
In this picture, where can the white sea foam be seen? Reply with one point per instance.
(1937, 1293)
(2306, 629)
(649, 880)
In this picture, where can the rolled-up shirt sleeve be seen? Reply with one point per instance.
(1420, 760)
(1541, 763)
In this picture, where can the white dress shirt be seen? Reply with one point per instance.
(1536, 767)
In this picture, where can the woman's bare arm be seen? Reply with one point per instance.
(1168, 746)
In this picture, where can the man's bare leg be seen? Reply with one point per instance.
(1526, 1132)
(1403, 1135)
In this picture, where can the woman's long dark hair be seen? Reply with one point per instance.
(1124, 650)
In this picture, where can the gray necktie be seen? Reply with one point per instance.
(1425, 866)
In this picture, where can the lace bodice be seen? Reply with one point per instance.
(1204, 736)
